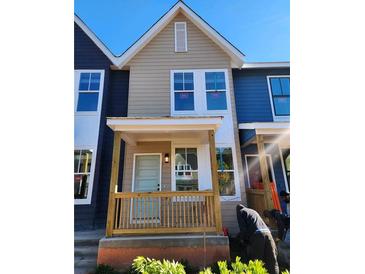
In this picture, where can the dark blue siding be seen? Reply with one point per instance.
(273, 150)
(88, 56)
(252, 94)
(116, 106)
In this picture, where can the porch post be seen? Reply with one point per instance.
(214, 171)
(264, 172)
(113, 182)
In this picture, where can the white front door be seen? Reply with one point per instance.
(147, 178)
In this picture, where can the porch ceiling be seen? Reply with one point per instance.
(273, 132)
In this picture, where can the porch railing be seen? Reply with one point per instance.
(162, 212)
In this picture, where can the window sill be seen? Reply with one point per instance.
(82, 202)
(281, 118)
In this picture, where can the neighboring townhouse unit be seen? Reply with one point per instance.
(262, 92)
(167, 136)
(99, 92)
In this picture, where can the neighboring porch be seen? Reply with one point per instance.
(162, 190)
(265, 149)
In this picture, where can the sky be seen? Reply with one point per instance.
(258, 28)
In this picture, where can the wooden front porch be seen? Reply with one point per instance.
(160, 212)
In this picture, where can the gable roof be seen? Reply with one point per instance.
(95, 39)
(119, 61)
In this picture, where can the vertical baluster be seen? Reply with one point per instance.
(212, 210)
(184, 211)
(188, 209)
(116, 214)
(205, 211)
(129, 212)
(200, 211)
(180, 219)
(196, 211)
(192, 211)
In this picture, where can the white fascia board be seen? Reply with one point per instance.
(95, 39)
(237, 57)
(266, 65)
(263, 125)
(138, 125)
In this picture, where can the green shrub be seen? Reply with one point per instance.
(151, 266)
(237, 267)
(105, 269)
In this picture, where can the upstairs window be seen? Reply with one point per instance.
(215, 85)
(88, 89)
(181, 44)
(184, 91)
(280, 95)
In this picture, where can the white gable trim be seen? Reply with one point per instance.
(266, 65)
(95, 39)
(236, 56)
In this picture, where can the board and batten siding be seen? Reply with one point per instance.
(149, 88)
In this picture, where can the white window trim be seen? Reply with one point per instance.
(271, 166)
(172, 157)
(172, 93)
(200, 98)
(186, 37)
(275, 117)
(237, 196)
(227, 90)
(87, 201)
(100, 91)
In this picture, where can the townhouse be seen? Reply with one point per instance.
(171, 135)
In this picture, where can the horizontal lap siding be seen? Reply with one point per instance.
(88, 56)
(252, 94)
(150, 68)
(116, 106)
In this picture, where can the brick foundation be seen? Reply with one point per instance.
(119, 252)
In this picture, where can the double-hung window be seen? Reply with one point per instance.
(215, 86)
(184, 91)
(280, 95)
(225, 171)
(88, 91)
(82, 167)
(186, 169)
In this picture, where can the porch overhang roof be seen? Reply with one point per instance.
(164, 124)
(273, 132)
